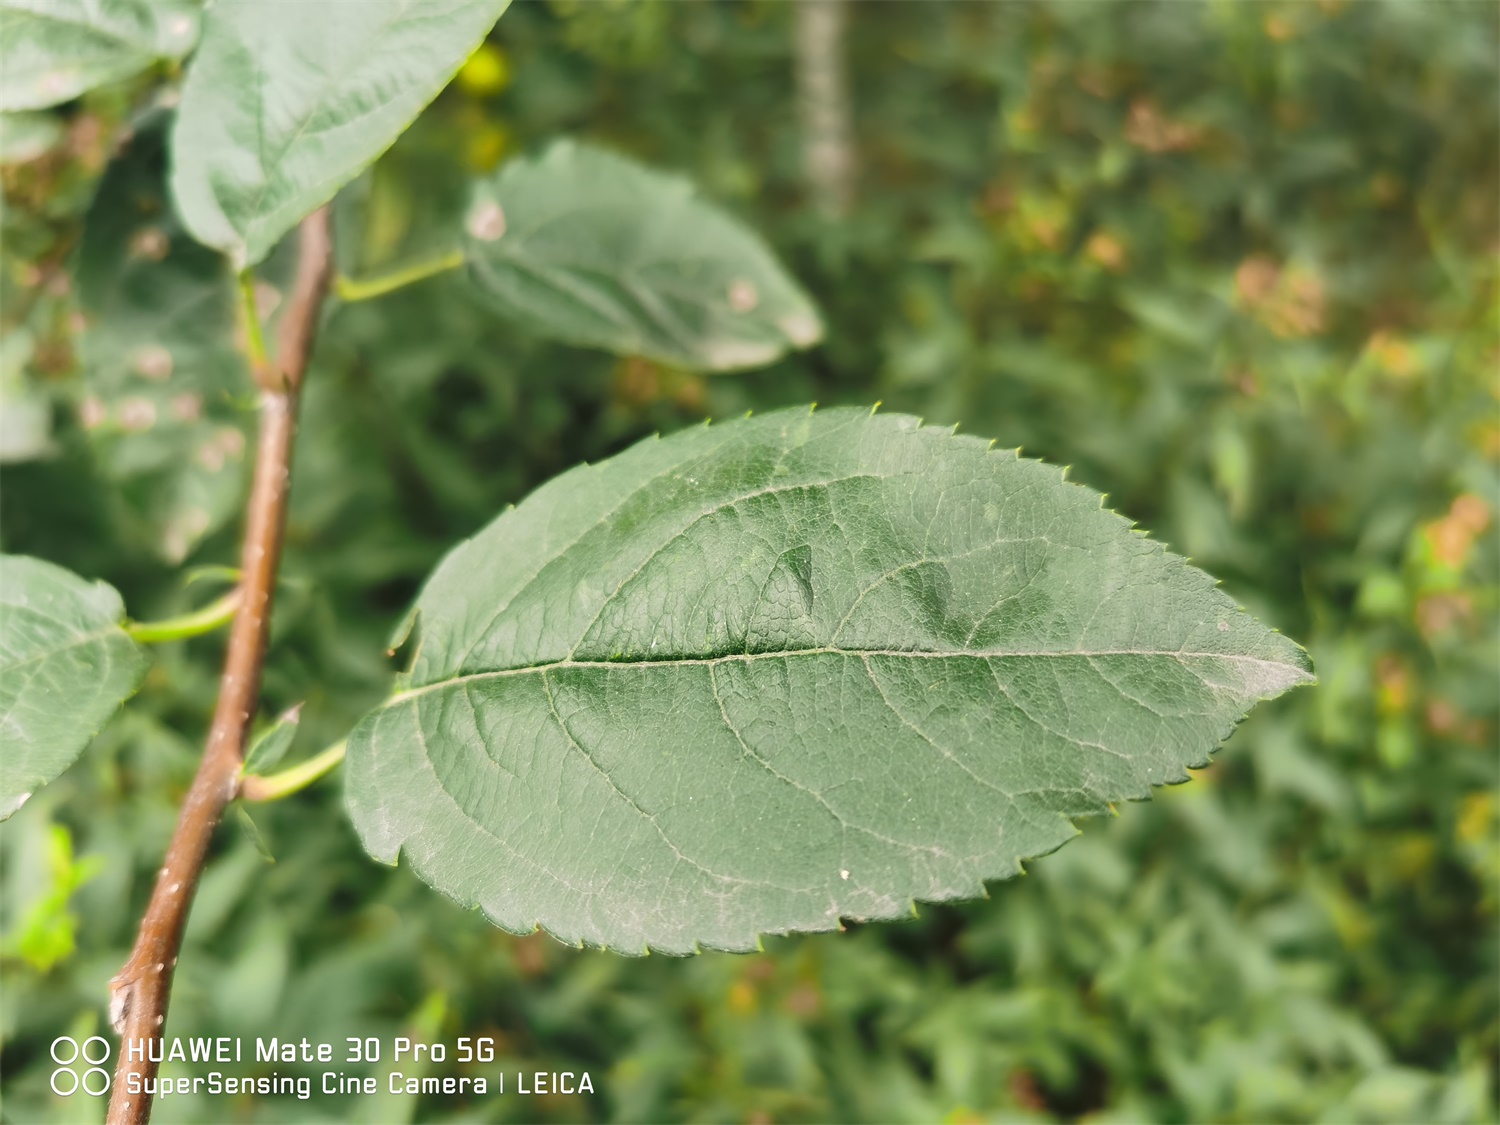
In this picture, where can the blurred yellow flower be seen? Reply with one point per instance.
(486, 72)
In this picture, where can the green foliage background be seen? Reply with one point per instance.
(1233, 263)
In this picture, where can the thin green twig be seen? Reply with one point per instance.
(275, 786)
(366, 288)
(255, 342)
(214, 615)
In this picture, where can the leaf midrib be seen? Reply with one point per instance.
(357, 59)
(831, 650)
(258, 213)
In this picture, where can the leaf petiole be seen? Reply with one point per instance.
(214, 615)
(367, 288)
(255, 341)
(274, 787)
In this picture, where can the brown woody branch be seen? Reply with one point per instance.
(140, 990)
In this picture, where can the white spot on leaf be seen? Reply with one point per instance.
(137, 414)
(187, 407)
(743, 296)
(92, 413)
(486, 222)
(149, 243)
(153, 362)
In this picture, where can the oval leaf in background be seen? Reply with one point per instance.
(65, 665)
(53, 50)
(592, 249)
(286, 103)
(759, 676)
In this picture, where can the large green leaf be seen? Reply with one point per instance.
(759, 676)
(286, 103)
(65, 665)
(593, 249)
(53, 50)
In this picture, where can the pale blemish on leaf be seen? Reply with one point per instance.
(137, 414)
(743, 295)
(149, 244)
(153, 362)
(486, 222)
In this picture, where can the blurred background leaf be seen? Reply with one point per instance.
(53, 50)
(586, 247)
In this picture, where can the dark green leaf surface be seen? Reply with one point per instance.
(164, 385)
(65, 665)
(53, 50)
(269, 128)
(763, 675)
(590, 248)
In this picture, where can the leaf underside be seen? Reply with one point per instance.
(286, 103)
(759, 676)
(599, 251)
(65, 666)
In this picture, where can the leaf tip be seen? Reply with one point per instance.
(14, 806)
(803, 328)
(403, 631)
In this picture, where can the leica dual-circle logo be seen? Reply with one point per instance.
(78, 1066)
